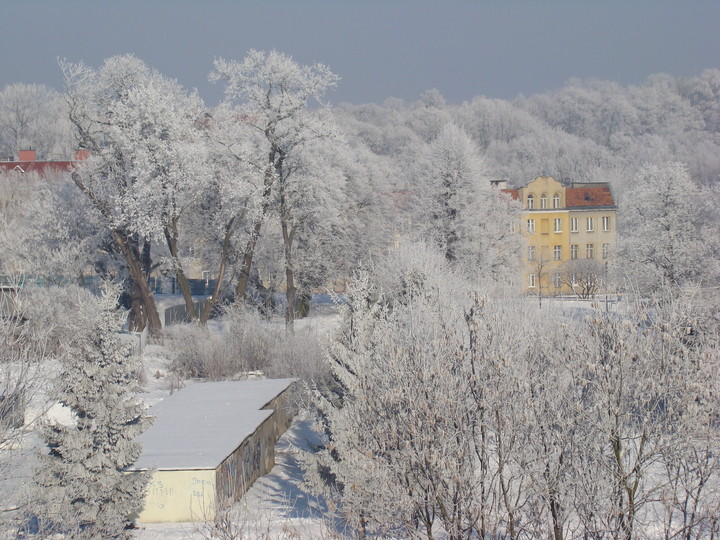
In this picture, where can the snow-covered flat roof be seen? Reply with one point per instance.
(202, 424)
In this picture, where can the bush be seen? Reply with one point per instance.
(241, 344)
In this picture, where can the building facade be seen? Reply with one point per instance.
(570, 231)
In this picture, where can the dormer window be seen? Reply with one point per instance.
(543, 201)
(556, 201)
(530, 202)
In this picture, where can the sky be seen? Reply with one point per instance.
(380, 49)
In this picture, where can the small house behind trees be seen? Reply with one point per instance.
(209, 443)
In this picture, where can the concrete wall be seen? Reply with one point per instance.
(174, 496)
(255, 457)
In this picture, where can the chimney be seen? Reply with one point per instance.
(81, 154)
(27, 155)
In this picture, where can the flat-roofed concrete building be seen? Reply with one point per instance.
(208, 444)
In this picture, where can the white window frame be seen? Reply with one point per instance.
(557, 253)
(556, 200)
(531, 225)
(557, 225)
(606, 223)
(543, 202)
(589, 251)
(531, 202)
(531, 253)
(557, 281)
(574, 251)
(590, 224)
(574, 224)
(531, 281)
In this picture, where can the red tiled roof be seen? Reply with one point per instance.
(514, 194)
(40, 167)
(589, 196)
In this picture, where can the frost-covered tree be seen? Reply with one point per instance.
(32, 117)
(159, 126)
(82, 486)
(52, 234)
(271, 93)
(397, 428)
(669, 236)
(453, 189)
(229, 200)
(476, 416)
(145, 164)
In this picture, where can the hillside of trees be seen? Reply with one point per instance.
(340, 184)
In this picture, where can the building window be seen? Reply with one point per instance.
(606, 223)
(590, 224)
(589, 251)
(531, 253)
(556, 201)
(574, 251)
(557, 253)
(574, 224)
(573, 278)
(531, 225)
(531, 281)
(605, 251)
(543, 201)
(558, 225)
(557, 281)
(530, 202)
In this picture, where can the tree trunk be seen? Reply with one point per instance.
(257, 226)
(136, 317)
(171, 238)
(132, 258)
(211, 302)
(290, 290)
(137, 275)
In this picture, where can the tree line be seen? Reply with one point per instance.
(274, 188)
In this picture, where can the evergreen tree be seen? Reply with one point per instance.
(83, 488)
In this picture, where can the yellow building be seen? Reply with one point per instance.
(570, 232)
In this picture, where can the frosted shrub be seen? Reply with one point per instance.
(299, 354)
(240, 345)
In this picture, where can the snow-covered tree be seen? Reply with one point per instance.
(82, 486)
(32, 117)
(397, 424)
(159, 126)
(584, 424)
(452, 195)
(272, 92)
(666, 237)
(51, 233)
(145, 163)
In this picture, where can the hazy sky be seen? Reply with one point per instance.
(381, 49)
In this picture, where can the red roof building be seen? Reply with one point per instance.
(27, 163)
